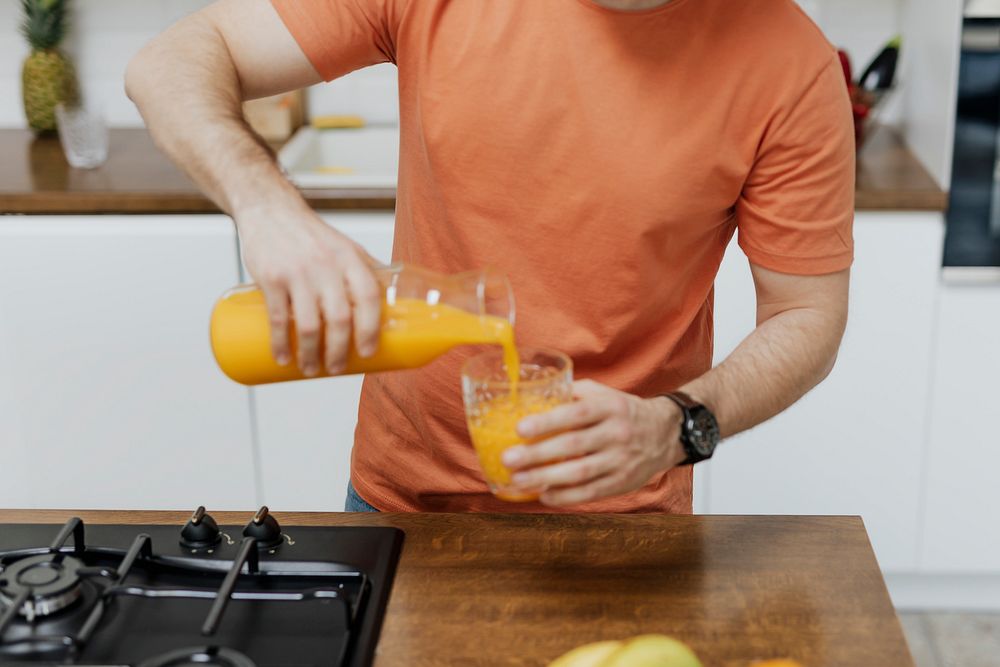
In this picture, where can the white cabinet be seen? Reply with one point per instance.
(109, 395)
(855, 444)
(305, 430)
(961, 527)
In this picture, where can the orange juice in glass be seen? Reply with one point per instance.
(495, 403)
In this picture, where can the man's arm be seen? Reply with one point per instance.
(615, 442)
(189, 84)
(800, 323)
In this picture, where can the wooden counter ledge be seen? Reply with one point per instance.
(137, 178)
(519, 590)
(889, 177)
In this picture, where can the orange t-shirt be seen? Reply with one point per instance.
(603, 160)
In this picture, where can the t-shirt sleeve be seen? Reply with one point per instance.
(340, 36)
(796, 212)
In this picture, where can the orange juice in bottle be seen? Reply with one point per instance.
(424, 314)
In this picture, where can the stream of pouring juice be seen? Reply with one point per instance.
(413, 333)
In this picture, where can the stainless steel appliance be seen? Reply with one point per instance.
(973, 235)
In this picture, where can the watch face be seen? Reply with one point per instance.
(704, 432)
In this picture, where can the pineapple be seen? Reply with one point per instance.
(48, 76)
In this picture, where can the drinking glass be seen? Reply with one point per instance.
(493, 407)
(83, 135)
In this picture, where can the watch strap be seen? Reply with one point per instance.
(687, 406)
(683, 401)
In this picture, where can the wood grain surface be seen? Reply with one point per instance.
(137, 178)
(889, 177)
(518, 590)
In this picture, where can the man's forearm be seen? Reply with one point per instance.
(781, 360)
(190, 83)
(189, 93)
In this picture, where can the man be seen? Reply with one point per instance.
(600, 152)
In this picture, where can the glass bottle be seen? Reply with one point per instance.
(424, 314)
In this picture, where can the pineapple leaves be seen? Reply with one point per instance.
(44, 23)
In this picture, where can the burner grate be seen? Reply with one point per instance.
(77, 604)
(42, 585)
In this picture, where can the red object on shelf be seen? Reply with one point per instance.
(845, 63)
(861, 101)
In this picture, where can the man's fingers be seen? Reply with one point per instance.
(337, 325)
(602, 487)
(278, 317)
(307, 330)
(563, 446)
(576, 415)
(568, 473)
(588, 389)
(366, 304)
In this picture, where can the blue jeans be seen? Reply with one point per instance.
(356, 503)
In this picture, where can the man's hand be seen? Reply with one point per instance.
(606, 443)
(316, 275)
(189, 83)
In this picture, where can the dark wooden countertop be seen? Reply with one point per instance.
(137, 178)
(891, 178)
(519, 590)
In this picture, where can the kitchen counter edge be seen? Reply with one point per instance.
(138, 179)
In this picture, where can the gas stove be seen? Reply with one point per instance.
(156, 596)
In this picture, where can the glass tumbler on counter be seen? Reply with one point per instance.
(494, 406)
(83, 135)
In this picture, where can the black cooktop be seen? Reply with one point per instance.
(167, 596)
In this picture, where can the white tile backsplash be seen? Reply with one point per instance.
(861, 27)
(371, 92)
(108, 94)
(106, 33)
(135, 16)
(103, 53)
(10, 105)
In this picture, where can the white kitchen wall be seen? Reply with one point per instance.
(103, 36)
(861, 27)
(930, 67)
(924, 106)
(12, 53)
(106, 33)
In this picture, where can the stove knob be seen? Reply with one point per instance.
(265, 528)
(201, 531)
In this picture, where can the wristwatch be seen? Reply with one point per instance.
(699, 428)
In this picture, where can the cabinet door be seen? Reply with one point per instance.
(854, 445)
(306, 429)
(109, 395)
(961, 529)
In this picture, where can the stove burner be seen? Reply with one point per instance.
(200, 656)
(52, 582)
(318, 600)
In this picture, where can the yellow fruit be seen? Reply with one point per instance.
(777, 663)
(588, 655)
(47, 79)
(652, 651)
